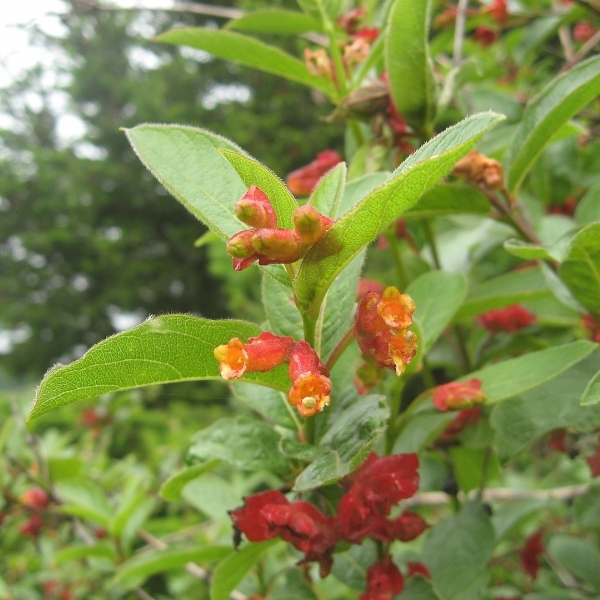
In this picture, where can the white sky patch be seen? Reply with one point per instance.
(122, 320)
(222, 93)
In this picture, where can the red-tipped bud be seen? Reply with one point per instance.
(310, 224)
(396, 309)
(261, 353)
(279, 245)
(302, 181)
(241, 246)
(35, 498)
(255, 209)
(458, 395)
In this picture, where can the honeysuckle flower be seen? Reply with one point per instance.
(509, 319)
(406, 527)
(384, 580)
(318, 63)
(368, 285)
(301, 182)
(396, 309)
(458, 395)
(261, 353)
(35, 498)
(255, 209)
(270, 514)
(377, 485)
(417, 568)
(351, 20)
(311, 386)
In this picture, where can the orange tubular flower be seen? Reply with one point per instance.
(396, 309)
(261, 353)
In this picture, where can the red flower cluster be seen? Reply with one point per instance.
(509, 319)
(267, 243)
(310, 378)
(377, 485)
(458, 395)
(583, 31)
(530, 554)
(381, 329)
(304, 180)
(384, 580)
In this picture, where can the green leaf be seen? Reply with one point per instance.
(271, 404)
(84, 498)
(285, 22)
(137, 569)
(457, 550)
(348, 442)
(408, 63)
(185, 160)
(280, 309)
(232, 570)
(470, 464)
(330, 8)
(578, 557)
(421, 430)
(580, 269)
(521, 420)
(246, 443)
(254, 173)
(161, 350)
(438, 295)
(248, 52)
(326, 197)
(525, 250)
(60, 468)
(509, 515)
(358, 188)
(79, 551)
(361, 225)
(445, 200)
(350, 567)
(519, 375)
(418, 588)
(213, 496)
(588, 208)
(132, 508)
(591, 394)
(170, 490)
(563, 97)
(516, 287)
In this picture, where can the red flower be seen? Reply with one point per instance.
(593, 462)
(558, 440)
(261, 353)
(270, 514)
(567, 208)
(511, 318)
(498, 11)
(369, 34)
(35, 498)
(32, 526)
(384, 580)
(485, 36)
(417, 568)
(352, 19)
(458, 395)
(463, 420)
(592, 326)
(530, 554)
(378, 484)
(406, 527)
(301, 182)
(583, 31)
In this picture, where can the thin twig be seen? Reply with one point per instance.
(459, 31)
(490, 495)
(582, 52)
(564, 35)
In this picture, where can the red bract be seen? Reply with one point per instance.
(509, 319)
(369, 34)
(406, 527)
(498, 11)
(530, 554)
(458, 395)
(301, 182)
(351, 20)
(32, 526)
(261, 353)
(35, 498)
(485, 36)
(270, 514)
(463, 420)
(583, 31)
(558, 440)
(417, 568)
(378, 484)
(384, 580)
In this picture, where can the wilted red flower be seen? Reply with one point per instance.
(463, 420)
(480, 170)
(378, 484)
(592, 326)
(261, 353)
(32, 526)
(530, 554)
(497, 10)
(458, 395)
(311, 385)
(509, 319)
(270, 514)
(406, 527)
(302, 182)
(417, 568)
(583, 31)
(352, 19)
(593, 462)
(35, 498)
(485, 36)
(384, 580)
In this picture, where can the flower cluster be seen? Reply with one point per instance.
(381, 328)
(310, 378)
(267, 243)
(509, 319)
(363, 511)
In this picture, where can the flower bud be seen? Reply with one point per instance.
(277, 245)
(35, 498)
(255, 209)
(458, 395)
(241, 245)
(310, 224)
(302, 181)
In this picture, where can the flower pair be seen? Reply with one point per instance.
(267, 243)
(311, 386)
